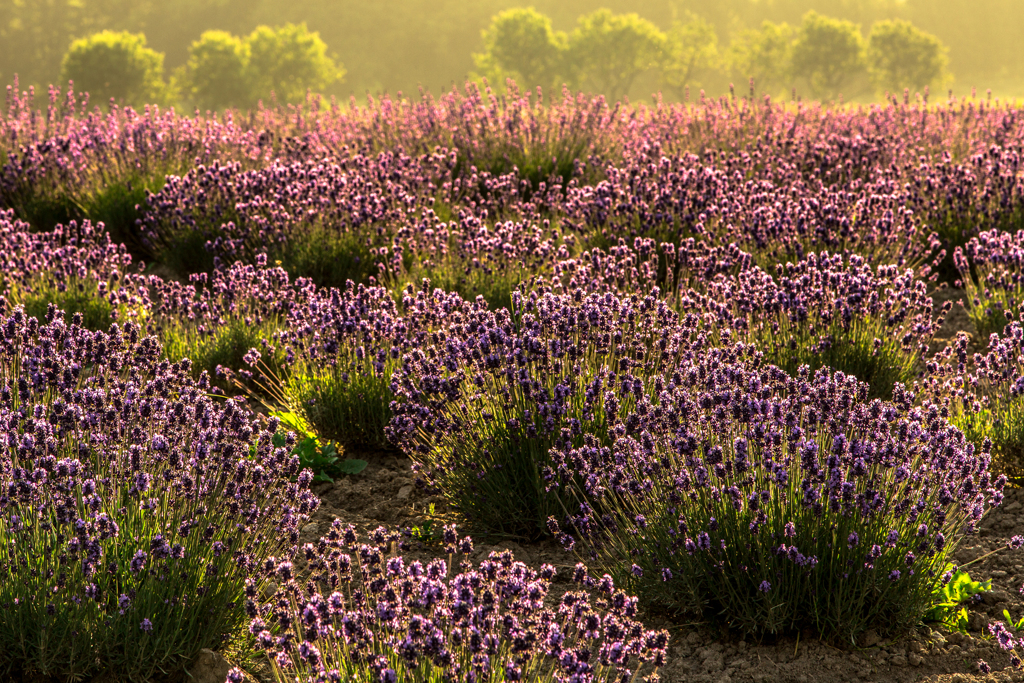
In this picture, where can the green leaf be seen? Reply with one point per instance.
(352, 466)
(949, 598)
(1018, 626)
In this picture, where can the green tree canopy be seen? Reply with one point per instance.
(520, 44)
(215, 76)
(608, 51)
(763, 55)
(828, 53)
(289, 60)
(116, 65)
(691, 54)
(900, 56)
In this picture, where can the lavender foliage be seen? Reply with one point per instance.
(776, 503)
(129, 497)
(368, 613)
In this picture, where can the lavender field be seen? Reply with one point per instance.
(498, 386)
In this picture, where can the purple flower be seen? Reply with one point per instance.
(1003, 637)
(138, 562)
(764, 587)
(146, 625)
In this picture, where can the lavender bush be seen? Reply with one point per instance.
(990, 267)
(983, 393)
(480, 408)
(136, 508)
(322, 219)
(774, 504)
(75, 267)
(348, 350)
(370, 614)
(216, 319)
(827, 311)
(343, 347)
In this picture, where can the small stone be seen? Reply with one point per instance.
(209, 667)
(713, 662)
(270, 590)
(404, 492)
(898, 660)
(915, 659)
(310, 530)
(995, 597)
(1012, 507)
(977, 622)
(958, 678)
(870, 638)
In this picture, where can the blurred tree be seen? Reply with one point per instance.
(116, 65)
(828, 53)
(288, 60)
(216, 76)
(520, 44)
(763, 55)
(900, 56)
(608, 51)
(691, 54)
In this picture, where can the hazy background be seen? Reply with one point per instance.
(391, 45)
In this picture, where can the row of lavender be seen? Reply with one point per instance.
(601, 351)
(620, 423)
(777, 180)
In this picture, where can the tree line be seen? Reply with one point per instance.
(403, 44)
(222, 71)
(821, 57)
(608, 52)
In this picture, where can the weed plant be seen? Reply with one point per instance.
(320, 456)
